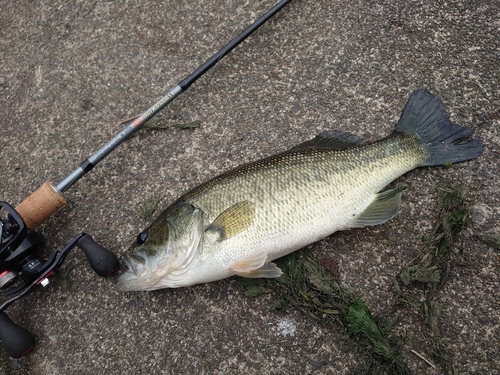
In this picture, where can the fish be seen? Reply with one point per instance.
(238, 222)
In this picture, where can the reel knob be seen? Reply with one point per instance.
(16, 340)
(102, 261)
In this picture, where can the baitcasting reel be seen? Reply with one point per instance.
(23, 269)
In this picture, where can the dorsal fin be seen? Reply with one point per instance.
(332, 139)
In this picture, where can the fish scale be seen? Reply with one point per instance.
(305, 191)
(241, 220)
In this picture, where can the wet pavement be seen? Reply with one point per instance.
(70, 74)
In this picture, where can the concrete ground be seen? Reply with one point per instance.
(71, 72)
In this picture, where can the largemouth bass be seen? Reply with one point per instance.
(239, 221)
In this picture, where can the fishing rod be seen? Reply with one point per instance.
(40, 205)
(20, 261)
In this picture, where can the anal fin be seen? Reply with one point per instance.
(383, 208)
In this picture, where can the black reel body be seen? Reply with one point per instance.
(22, 269)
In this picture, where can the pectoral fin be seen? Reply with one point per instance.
(233, 220)
(256, 266)
(383, 208)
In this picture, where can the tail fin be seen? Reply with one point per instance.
(425, 116)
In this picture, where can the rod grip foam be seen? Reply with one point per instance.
(40, 205)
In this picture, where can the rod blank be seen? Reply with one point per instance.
(135, 125)
(41, 204)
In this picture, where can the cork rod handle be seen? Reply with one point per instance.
(40, 205)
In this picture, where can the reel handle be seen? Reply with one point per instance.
(102, 261)
(16, 340)
(40, 205)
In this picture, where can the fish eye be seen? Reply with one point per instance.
(142, 237)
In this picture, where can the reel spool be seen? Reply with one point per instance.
(22, 269)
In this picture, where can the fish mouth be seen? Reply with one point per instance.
(130, 280)
(134, 263)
